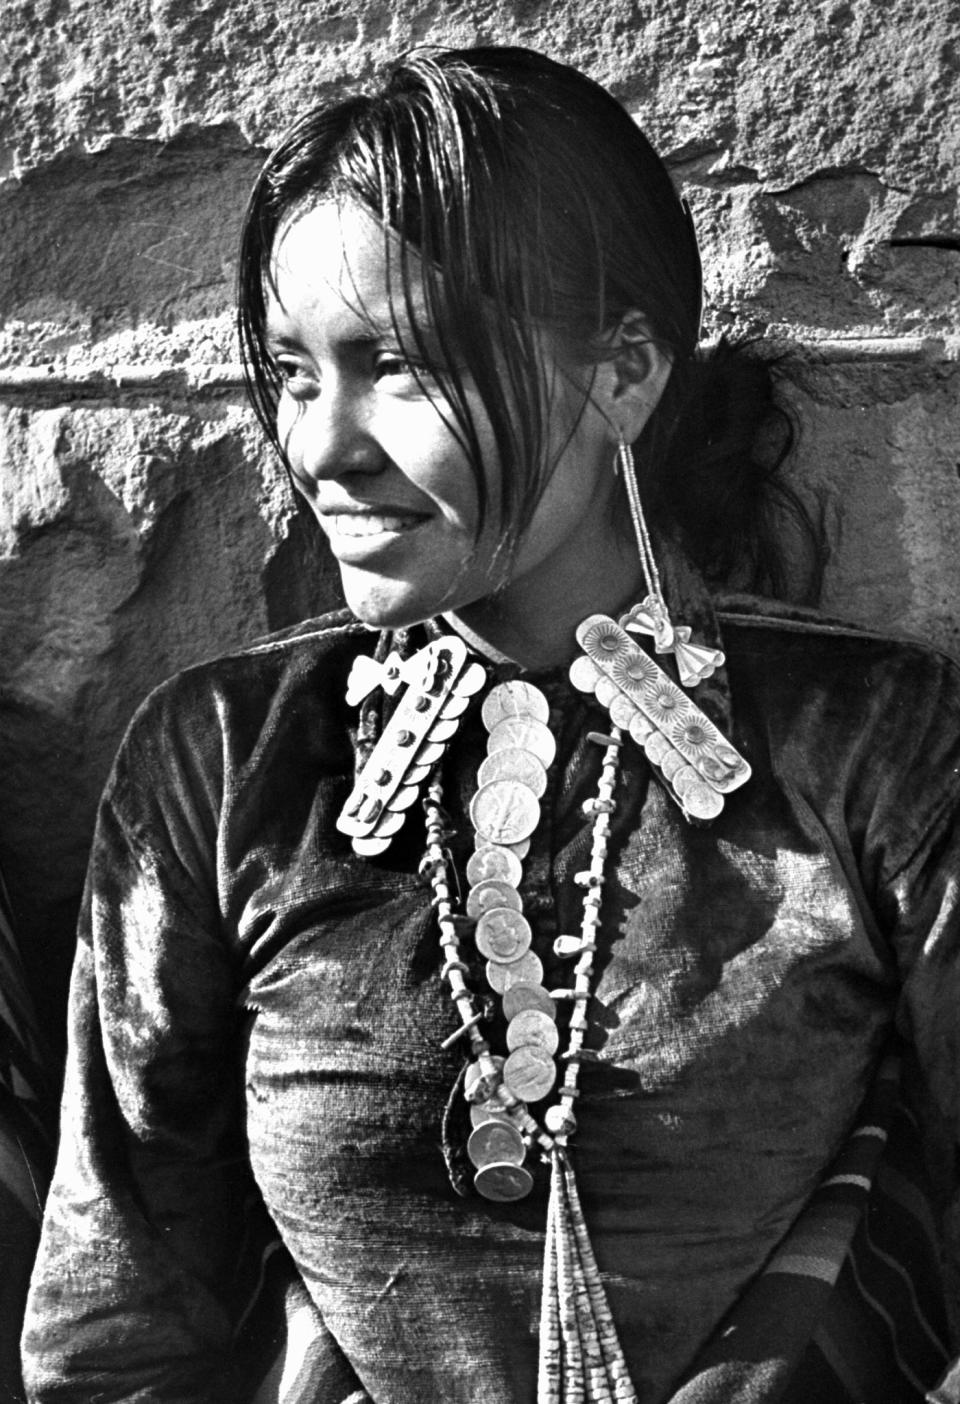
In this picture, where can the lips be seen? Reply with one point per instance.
(362, 524)
(359, 536)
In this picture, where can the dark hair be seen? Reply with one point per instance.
(517, 195)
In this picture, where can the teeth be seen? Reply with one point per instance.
(368, 524)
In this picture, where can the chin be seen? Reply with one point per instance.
(387, 608)
(383, 602)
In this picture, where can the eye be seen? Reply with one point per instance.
(404, 377)
(294, 375)
(388, 365)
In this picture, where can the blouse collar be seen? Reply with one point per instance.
(689, 602)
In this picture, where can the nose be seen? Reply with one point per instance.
(328, 435)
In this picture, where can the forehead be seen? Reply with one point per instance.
(331, 265)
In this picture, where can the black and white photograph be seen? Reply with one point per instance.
(479, 702)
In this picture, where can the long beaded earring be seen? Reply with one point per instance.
(695, 663)
(695, 761)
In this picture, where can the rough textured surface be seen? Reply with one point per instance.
(811, 138)
(136, 536)
(141, 525)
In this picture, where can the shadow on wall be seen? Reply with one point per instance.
(138, 235)
(152, 537)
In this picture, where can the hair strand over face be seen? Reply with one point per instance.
(519, 201)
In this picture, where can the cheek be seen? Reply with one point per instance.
(287, 416)
(428, 454)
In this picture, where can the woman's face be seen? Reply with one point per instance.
(371, 452)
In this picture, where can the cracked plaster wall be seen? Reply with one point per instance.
(142, 526)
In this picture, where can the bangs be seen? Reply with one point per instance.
(496, 177)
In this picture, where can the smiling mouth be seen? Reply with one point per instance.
(361, 524)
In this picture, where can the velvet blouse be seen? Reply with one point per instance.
(257, 1013)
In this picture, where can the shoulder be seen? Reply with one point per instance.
(861, 723)
(808, 658)
(313, 643)
(315, 653)
(209, 724)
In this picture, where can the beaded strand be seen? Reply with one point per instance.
(580, 1357)
(561, 1119)
(581, 1360)
(435, 866)
(488, 1086)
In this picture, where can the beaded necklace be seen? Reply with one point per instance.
(580, 1356)
(505, 811)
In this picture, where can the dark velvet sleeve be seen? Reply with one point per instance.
(914, 831)
(927, 891)
(26, 1107)
(919, 901)
(143, 1269)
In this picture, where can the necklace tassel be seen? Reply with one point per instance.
(581, 1359)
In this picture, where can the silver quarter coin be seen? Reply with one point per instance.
(702, 802)
(487, 1111)
(671, 763)
(505, 811)
(496, 1143)
(514, 699)
(525, 996)
(521, 849)
(531, 1027)
(503, 1182)
(370, 847)
(640, 727)
(492, 893)
(685, 779)
(503, 935)
(527, 970)
(656, 747)
(529, 1073)
(606, 690)
(584, 673)
(525, 734)
(622, 710)
(494, 862)
(514, 764)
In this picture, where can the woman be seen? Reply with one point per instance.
(26, 1144)
(540, 941)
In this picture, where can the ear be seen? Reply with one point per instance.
(631, 377)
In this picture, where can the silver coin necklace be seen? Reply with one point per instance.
(580, 1353)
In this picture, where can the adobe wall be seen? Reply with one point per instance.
(141, 524)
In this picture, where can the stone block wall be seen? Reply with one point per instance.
(142, 525)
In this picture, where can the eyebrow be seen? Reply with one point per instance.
(279, 339)
(367, 330)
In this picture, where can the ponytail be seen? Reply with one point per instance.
(711, 467)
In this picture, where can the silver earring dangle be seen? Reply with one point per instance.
(695, 662)
(694, 760)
